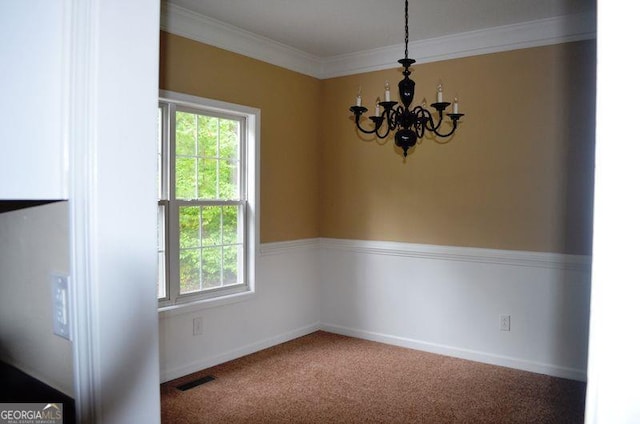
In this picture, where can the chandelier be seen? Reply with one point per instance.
(411, 123)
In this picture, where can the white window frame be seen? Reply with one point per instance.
(249, 166)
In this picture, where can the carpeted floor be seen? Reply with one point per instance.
(327, 378)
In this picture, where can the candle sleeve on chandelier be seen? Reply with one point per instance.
(378, 106)
(439, 93)
(359, 97)
(387, 92)
(455, 105)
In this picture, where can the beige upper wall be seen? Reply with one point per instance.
(518, 174)
(289, 104)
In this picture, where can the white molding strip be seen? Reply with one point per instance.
(171, 374)
(280, 247)
(556, 30)
(549, 260)
(185, 23)
(472, 355)
(82, 133)
(463, 254)
(543, 32)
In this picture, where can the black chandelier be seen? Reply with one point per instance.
(412, 123)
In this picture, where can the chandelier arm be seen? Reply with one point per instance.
(422, 118)
(453, 129)
(393, 117)
(434, 127)
(388, 117)
(374, 131)
(385, 134)
(429, 124)
(421, 112)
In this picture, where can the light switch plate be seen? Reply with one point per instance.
(60, 299)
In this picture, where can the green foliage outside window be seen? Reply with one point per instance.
(207, 157)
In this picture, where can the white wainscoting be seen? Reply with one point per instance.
(440, 299)
(284, 307)
(448, 300)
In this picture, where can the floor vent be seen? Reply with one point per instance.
(195, 383)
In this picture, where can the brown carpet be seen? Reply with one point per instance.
(327, 378)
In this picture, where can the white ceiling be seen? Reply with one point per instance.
(330, 38)
(329, 28)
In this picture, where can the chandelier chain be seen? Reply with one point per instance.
(406, 29)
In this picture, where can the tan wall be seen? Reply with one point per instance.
(517, 175)
(289, 104)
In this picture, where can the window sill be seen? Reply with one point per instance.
(185, 308)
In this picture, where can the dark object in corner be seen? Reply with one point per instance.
(195, 383)
(19, 387)
(12, 205)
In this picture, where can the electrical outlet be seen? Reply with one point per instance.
(197, 326)
(505, 322)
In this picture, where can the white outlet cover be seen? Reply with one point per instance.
(197, 326)
(505, 322)
(60, 305)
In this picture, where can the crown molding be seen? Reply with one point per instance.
(185, 23)
(542, 32)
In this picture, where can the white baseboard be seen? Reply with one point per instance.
(167, 375)
(487, 358)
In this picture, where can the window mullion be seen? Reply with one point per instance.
(200, 247)
(163, 169)
(163, 163)
(218, 158)
(243, 238)
(173, 244)
(221, 270)
(242, 169)
(171, 139)
(197, 157)
(210, 202)
(173, 252)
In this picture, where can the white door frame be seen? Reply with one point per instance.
(111, 55)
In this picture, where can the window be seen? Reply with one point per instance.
(207, 198)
